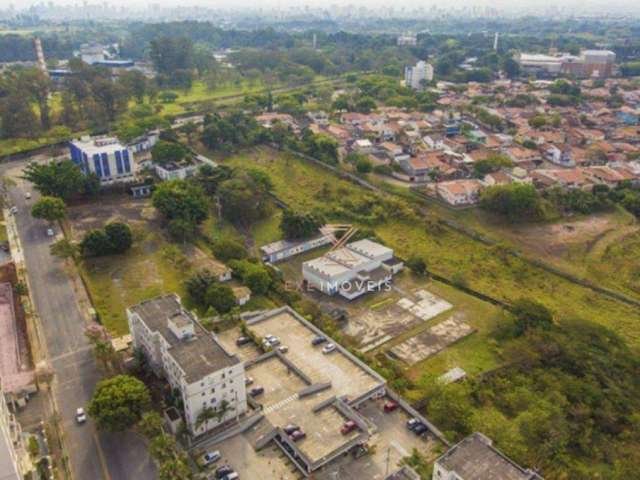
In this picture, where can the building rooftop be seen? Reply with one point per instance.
(475, 458)
(91, 145)
(369, 248)
(198, 355)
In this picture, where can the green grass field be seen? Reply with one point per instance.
(149, 269)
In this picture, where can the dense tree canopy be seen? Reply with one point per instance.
(180, 199)
(515, 201)
(295, 225)
(119, 402)
(59, 179)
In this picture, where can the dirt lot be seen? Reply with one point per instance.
(111, 208)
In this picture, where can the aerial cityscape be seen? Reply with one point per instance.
(331, 241)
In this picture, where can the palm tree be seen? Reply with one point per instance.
(205, 415)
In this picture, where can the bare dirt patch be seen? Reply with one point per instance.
(111, 208)
(557, 238)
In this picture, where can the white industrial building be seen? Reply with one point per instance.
(590, 63)
(416, 76)
(284, 249)
(191, 359)
(109, 159)
(353, 270)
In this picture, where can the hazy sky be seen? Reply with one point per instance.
(509, 7)
(513, 4)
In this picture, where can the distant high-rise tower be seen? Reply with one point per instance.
(495, 41)
(315, 41)
(40, 55)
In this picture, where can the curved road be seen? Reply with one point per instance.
(92, 455)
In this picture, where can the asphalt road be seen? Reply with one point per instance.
(92, 455)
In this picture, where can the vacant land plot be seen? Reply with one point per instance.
(152, 267)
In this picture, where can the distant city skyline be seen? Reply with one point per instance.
(575, 7)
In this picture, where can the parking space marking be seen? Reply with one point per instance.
(280, 404)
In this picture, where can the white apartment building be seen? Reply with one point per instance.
(414, 77)
(111, 161)
(14, 460)
(192, 360)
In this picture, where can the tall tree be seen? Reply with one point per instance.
(50, 209)
(119, 402)
(38, 85)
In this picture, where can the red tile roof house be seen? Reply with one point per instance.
(524, 157)
(569, 178)
(609, 176)
(460, 192)
(268, 119)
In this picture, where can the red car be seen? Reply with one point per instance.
(348, 427)
(390, 406)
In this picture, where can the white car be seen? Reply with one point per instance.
(81, 417)
(328, 348)
(210, 458)
(283, 349)
(27, 195)
(50, 232)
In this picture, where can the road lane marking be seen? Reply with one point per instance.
(103, 462)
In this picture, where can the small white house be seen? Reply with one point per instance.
(173, 171)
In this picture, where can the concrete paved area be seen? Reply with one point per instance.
(433, 340)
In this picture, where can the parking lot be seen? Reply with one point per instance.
(268, 463)
(392, 442)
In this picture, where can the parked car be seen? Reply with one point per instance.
(13, 210)
(390, 406)
(318, 340)
(297, 435)
(289, 429)
(420, 428)
(348, 427)
(27, 195)
(243, 341)
(328, 348)
(210, 458)
(81, 416)
(223, 471)
(231, 476)
(255, 391)
(50, 232)
(412, 422)
(274, 341)
(283, 349)
(248, 380)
